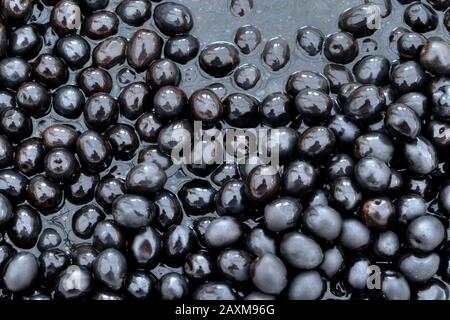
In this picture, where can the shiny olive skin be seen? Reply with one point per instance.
(110, 268)
(82, 188)
(306, 80)
(182, 48)
(167, 209)
(94, 80)
(21, 272)
(374, 144)
(199, 266)
(60, 164)
(140, 285)
(110, 52)
(402, 121)
(307, 285)
(145, 178)
(223, 232)
(85, 219)
(197, 197)
(178, 242)
(108, 190)
(421, 17)
(170, 102)
(74, 50)
(144, 47)
(206, 106)
(132, 211)
(173, 18)
(163, 72)
(364, 103)
(276, 53)
(75, 282)
(134, 100)
(44, 194)
(93, 151)
(344, 129)
(68, 101)
(13, 184)
(219, 59)
(372, 69)
(173, 286)
(410, 45)
(298, 178)
(355, 235)
(313, 104)
(148, 126)
(247, 38)
(15, 124)
(6, 211)
(34, 98)
(340, 47)
(264, 175)
(134, 12)
(361, 21)
(51, 263)
(269, 274)
(316, 142)
(59, 136)
(408, 76)
(323, 221)
(282, 214)
(50, 70)
(425, 233)
(300, 251)
(49, 239)
(107, 234)
(372, 174)
(241, 110)
(146, 247)
(100, 25)
(394, 286)
(13, 72)
(29, 158)
(25, 227)
(421, 156)
(310, 40)
(123, 140)
(234, 265)
(378, 213)
(276, 109)
(419, 268)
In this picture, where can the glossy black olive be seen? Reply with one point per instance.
(173, 18)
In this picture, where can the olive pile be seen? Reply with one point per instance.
(92, 100)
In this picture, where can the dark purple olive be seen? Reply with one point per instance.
(408, 76)
(421, 156)
(68, 101)
(340, 47)
(182, 48)
(29, 157)
(264, 277)
(276, 53)
(307, 285)
(74, 50)
(316, 142)
(362, 20)
(144, 47)
(134, 12)
(219, 59)
(306, 80)
(425, 233)
(100, 25)
(170, 103)
(173, 286)
(44, 194)
(178, 242)
(21, 272)
(337, 75)
(434, 57)
(14, 72)
(25, 227)
(110, 52)
(93, 151)
(402, 121)
(173, 18)
(94, 80)
(410, 45)
(421, 17)
(145, 247)
(378, 213)
(223, 232)
(50, 70)
(247, 38)
(110, 268)
(198, 266)
(24, 41)
(107, 234)
(310, 40)
(163, 72)
(372, 70)
(133, 211)
(241, 110)
(197, 197)
(365, 103)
